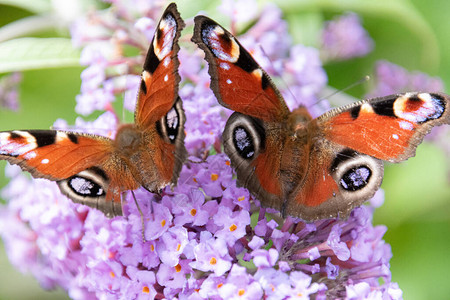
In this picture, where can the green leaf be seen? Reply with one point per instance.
(36, 6)
(37, 53)
(28, 26)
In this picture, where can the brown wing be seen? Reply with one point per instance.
(256, 157)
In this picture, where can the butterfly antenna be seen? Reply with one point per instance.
(332, 92)
(142, 217)
(276, 73)
(123, 99)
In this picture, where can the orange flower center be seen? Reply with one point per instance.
(178, 268)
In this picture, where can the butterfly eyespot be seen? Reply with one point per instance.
(85, 187)
(222, 45)
(243, 142)
(356, 178)
(357, 175)
(244, 136)
(88, 187)
(170, 127)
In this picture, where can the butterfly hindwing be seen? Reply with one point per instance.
(255, 156)
(337, 180)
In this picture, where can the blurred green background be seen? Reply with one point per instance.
(413, 34)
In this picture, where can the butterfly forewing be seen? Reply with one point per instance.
(391, 127)
(237, 80)
(62, 156)
(53, 154)
(159, 85)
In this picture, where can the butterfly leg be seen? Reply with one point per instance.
(142, 217)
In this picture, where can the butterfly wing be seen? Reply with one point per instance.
(337, 180)
(237, 81)
(388, 128)
(159, 85)
(256, 156)
(312, 169)
(253, 136)
(346, 168)
(82, 164)
(159, 112)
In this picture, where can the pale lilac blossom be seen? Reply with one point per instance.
(345, 38)
(392, 79)
(205, 238)
(9, 91)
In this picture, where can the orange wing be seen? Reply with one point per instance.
(337, 180)
(83, 165)
(159, 112)
(52, 154)
(237, 80)
(388, 128)
(159, 85)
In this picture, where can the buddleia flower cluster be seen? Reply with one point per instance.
(205, 238)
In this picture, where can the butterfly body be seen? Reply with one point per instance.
(95, 170)
(309, 168)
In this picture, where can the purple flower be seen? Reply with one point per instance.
(238, 10)
(339, 248)
(143, 284)
(174, 277)
(240, 284)
(215, 176)
(94, 100)
(205, 238)
(212, 255)
(305, 75)
(345, 38)
(192, 209)
(9, 94)
(160, 223)
(392, 79)
(265, 258)
(233, 224)
(268, 40)
(171, 245)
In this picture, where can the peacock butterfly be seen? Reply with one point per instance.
(309, 168)
(95, 170)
